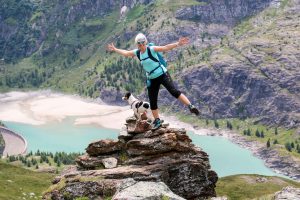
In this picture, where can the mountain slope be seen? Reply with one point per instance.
(254, 72)
(251, 71)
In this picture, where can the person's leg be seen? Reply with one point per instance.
(184, 99)
(153, 95)
(169, 85)
(155, 113)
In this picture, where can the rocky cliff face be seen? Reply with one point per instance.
(253, 73)
(222, 12)
(28, 25)
(290, 193)
(142, 164)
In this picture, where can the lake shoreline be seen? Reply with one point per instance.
(37, 108)
(272, 159)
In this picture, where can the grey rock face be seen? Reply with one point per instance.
(158, 163)
(112, 97)
(289, 193)
(144, 190)
(288, 166)
(222, 12)
(103, 147)
(110, 162)
(236, 92)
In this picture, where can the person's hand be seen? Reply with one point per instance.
(183, 40)
(111, 47)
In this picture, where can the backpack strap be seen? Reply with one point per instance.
(150, 55)
(138, 54)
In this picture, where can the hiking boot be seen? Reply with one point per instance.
(156, 124)
(193, 109)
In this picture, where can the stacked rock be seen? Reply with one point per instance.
(157, 164)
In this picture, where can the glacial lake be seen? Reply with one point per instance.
(226, 158)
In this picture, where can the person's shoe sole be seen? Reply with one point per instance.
(154, 129)
(195, 111)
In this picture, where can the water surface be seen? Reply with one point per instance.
(226, 158)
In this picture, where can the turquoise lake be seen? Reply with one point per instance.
(225, 157)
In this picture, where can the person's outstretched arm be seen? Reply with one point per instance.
(182, 41)
(111, 47)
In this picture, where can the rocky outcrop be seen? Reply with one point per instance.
(289, 193)
(144, 190)
(286, 165)
(231, 91)
(222, 12)
(156, 163)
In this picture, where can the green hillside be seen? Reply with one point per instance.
(19, 183)
(251, 186)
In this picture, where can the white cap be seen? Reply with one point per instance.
(140, 37)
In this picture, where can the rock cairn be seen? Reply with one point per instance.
(141, 164)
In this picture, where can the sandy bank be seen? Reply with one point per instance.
(38, 108)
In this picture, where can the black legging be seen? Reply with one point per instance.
(165, 80)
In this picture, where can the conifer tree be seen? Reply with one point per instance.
(292, 145)
(276, 131)
(288, 146)
(268, 143)
(257, 134)
(58, 163)
(249, 132)
(262, 135)
(216, 124)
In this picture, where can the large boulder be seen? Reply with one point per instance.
(103, 147)
(289, 193)
(160, 163)
(141, 190)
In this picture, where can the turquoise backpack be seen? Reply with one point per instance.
(161, 59)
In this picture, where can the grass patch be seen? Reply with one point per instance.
(243, 27)
(61, 184)
(176, 4)
(18, 183)
(246, 187)
(135, 12)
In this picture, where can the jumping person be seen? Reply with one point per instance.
(157, 73)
